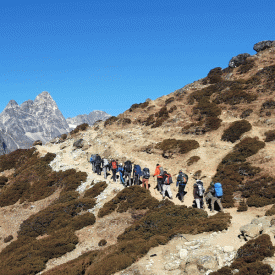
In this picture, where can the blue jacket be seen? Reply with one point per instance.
(179, 182)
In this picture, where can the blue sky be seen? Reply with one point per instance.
(108, 55)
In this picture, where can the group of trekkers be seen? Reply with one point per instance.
(131, 174)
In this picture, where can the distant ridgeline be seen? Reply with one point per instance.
(34, 120)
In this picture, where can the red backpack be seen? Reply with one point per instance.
(114, 165)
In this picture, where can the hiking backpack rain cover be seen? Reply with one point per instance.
(146, 173)
(137, 170)
(218, 189)
(200, 188)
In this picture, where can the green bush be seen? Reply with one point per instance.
(235, 130)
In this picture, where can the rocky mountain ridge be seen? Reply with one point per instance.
(35, 120)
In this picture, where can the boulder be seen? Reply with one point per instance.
(78, 143)
(238, 60)
(251, 231)
(260, 46)
(37, 142)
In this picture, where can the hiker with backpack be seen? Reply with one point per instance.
(137, 173)
(167, 180)
(198, 192)
(217, 193)
(145, 177)
(105, 164)
(159, 173)
(128, 173)
(114, 169)
(92, 161)
(98, 162)
(120, 170)
(182, 179)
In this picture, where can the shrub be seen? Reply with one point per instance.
(269, 104)
(81, 127)
(3, 180)
(235, 130)
(192, 160)
(125, 121)
(249, 257)
(169, 100)
(246, 66)
(102, 242)
(63, 136)
(140, 105)
(8, 239)
(246, 113)
(177, 146)
(242, 206)
(111, 120)
(269, 135)
(95, 190)
(214, 75)
(207, 109)
(172, 109)
(235, 97)
(271, 211)
(212, 123)
(150, 120)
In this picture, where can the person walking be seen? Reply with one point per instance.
(217, 193)
(98, 162)
(105, 167)
(159, 174)
(114, 169)
(128, 173)
(198, 192)
(145, 177)
(182, 179)
(167, 180)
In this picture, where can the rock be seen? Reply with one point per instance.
(238, 60)
(260, 46)
(54, 140)
(263, 221)
(228, 249)
(78, 143)
(37, 142)
(192, 269)
(250, 231)
(183, 254)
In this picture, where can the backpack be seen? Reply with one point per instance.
(137, 170)
(128, 166)
(168, 179)
(92, 159)
(218, 190)
(98, 160)
(105, 162)
(180, 178)
(200, 190)
(161, 171)
(146, 173)
(114, 165)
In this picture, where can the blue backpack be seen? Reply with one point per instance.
(137, 170)
(218, 189)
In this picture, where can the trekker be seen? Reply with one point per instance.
(105, 165)
(159, 174)
(181, 182)
(98, 162)
(167, 180)
(114, 169)
(217, 193)
(120, 170)
(137, 173)
(198, 192)
(92, 160)
(145, 177)
(127, 173)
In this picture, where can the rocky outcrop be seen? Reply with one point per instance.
(33, 120)
(260, 46)
(37, 142)
(238, 60)
(91, 118)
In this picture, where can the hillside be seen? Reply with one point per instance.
(55, 210)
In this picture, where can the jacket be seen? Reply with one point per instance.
(157, 172)
(178, 179)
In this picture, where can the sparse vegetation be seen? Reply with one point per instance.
(111, 120)
(3, 180)
(269, 135)
(249, 257)
(242, 206)
(95, 190)
(169, 100)
(192, 160)
(81, 127)
(8, 239)
(246, 66)
(177, 146)
(214, 75)
(140, 105)
(246, 113)
(235, 130)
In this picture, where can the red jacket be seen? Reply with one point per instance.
(157, 172)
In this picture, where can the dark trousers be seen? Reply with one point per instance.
(114, 174)
(159, 184)
(136, 179)
(98, 170)
(181, 191)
